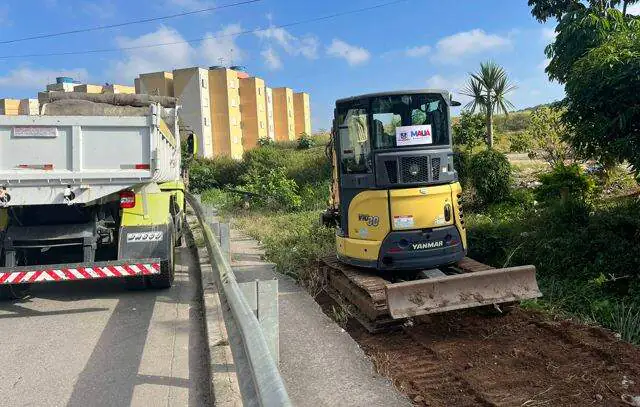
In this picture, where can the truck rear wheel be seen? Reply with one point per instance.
(167, 273)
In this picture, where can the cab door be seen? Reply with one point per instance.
(355, 163)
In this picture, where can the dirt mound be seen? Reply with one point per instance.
(520, 359)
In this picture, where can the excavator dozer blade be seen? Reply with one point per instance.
(467, 290)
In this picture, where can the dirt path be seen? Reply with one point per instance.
(520, 359)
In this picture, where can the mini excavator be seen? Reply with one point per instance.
(396, 205)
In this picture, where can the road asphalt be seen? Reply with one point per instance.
(94, 343)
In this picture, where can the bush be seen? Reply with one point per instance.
(566, 182)
(263, 159)
(491, 175)
(265, 142)
(213, 173)
(461, 165)
(271, 189)
(521, 142)
(305, 142)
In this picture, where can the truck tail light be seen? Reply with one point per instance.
(127, 199)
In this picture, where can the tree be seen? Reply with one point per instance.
(488, 89)
(548, 133)
(543, 10)
(469, 130)
(596, 55)
(603, 102)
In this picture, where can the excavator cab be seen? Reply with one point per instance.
(396, 205)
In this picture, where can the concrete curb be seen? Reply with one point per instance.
(224, 380)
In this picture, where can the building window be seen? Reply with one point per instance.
(206, 122)
(259, 91)
(204, 84)
(261, 124)
(234, 103)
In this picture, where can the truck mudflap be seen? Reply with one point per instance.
(78, 271)
(459, 291)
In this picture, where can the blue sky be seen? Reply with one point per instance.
(414, 44)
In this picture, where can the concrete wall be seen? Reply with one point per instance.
(225, 112)
(253, 111)
(283, 116)
(191, 87)
(302, 112)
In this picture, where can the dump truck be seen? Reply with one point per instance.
(91, 189)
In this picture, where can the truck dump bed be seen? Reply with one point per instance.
(94, 156)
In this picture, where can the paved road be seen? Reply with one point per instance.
(96, 344)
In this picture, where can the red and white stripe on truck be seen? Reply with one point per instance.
(54, 273)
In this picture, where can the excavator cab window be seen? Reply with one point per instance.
(392, 112)
(355, 147)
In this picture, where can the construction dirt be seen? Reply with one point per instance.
(519, 359)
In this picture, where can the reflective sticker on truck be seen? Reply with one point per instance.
(145, 237)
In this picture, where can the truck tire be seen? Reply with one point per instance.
(167, 272)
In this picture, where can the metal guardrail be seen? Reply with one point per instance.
(267, 383)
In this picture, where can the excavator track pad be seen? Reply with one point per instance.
(381, 303)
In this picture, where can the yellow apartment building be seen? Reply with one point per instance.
(88, 88)
(120, 89)
(191, 87)
(226, 120)
(253, 111)
(155, 83)
(283, 116)
(9, 107)
(29, 107)
(302, 113)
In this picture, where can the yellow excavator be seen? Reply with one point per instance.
(396, 205)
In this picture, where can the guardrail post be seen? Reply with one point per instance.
(225, 241)
(262, 297)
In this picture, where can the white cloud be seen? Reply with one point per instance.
(306, 46)
(190, 5)
(548, 34)
(103, 10)
(36, 79)
(271, 59)
(353, 54)
(221, 45)
(4, 16)
(178, 55)
(418, 51)
(455, 47)
(634, 9)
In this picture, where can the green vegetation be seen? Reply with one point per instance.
(491, 175)
(596, 55)
(584, 245)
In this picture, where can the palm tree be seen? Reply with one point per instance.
(488, 89)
